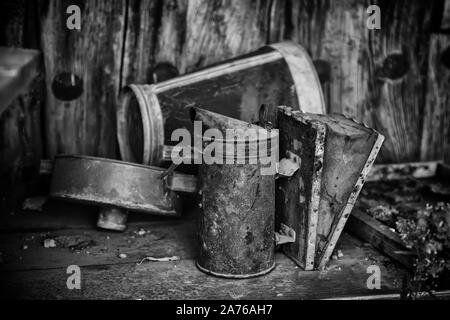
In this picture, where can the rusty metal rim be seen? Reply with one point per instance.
(273, 134)
(152, 123)
(218, 70)
(235, 276)
(130, 164)
(155, 210)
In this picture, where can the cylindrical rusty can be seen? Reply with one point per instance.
(279, 74)
(236, 223)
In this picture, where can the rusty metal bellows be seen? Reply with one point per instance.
(236, 224)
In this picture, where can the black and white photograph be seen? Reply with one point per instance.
(223, 155)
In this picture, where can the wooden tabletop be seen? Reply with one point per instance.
(31, 271)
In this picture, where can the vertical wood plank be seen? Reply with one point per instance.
(334, 33)
(171, 33)
(377, 76)
(83, 76)
(210, 31)
(142, 23)
(436, 126)
(395, 62)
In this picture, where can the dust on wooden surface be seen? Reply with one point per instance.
(109, 267)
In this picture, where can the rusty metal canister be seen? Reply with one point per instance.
(278, 74)
(236, 224)
(118, 186)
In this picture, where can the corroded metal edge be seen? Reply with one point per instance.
(306, 81)
(125, 163)
(337, 227)
(84, 199)
(235, 276)
(152, 123)
(315, 193)
(313, 210)
(218, 70)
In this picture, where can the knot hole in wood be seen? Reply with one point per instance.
(67, 86)
(395, 66)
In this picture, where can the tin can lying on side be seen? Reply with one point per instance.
(118, 186)
(281, 73)
(236, 223)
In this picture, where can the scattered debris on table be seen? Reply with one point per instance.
(141, 232)
(417, 211)
(74, 243)
(164, 259)
(49, 243)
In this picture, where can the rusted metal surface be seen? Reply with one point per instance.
(280, 74)
(111, 183)
(236, 224)
(336, 155)
(350, 151)
(297, 197)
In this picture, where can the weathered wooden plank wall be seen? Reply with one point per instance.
(83, 76)
(436, 122)
(377, 76)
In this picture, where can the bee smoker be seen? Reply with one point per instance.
(236, 223)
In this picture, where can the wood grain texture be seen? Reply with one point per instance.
(40, 273)
(141, 29)
(198, 33)
(84, 123)
(182, 280)
(90, 247)
(377, 76)
(333, 32)
(377, 234)
(133, 37)
(435, 143)
(396, 60)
